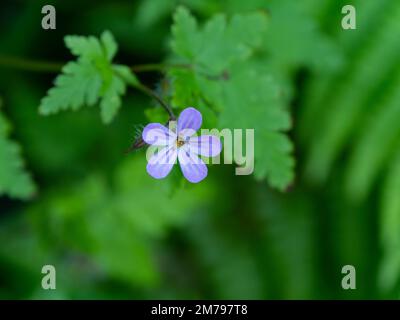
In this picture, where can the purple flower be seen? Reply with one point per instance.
(180, 143)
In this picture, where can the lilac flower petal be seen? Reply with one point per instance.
(193, 168)
(185, 134)
(206, 145)
(190, 118)
(158, 135)
(161, 163)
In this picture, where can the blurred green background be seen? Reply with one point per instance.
(112, 232)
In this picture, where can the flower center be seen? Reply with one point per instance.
(179, 142)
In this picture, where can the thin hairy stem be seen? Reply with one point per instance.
(155, 96)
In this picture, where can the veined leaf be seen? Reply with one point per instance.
(220, 42)
(91, 78)
(223, 78)
(79, 85)
(251, 101)
(111, 100)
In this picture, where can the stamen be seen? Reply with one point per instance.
(179, 142)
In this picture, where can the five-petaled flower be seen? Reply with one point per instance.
(180, 143)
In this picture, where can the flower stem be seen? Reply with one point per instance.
(139, 142)
(44, 66)
(53, 67)
(159, 66)
(146, 90)
(29, 65)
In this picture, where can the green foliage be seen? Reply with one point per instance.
(300, 42)
(380, 132)
(219, 43)
(222, 246)
(369, 15)
(90, 223)
(15, 181)
(357, 108)
(281, 67)
(222, 78)
(108, 222)
(253, 102)
(355, 91)
(295, 270)
(91, 78)
(390, 221)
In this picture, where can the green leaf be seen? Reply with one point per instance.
(92, 78)
(186, 41)
(109, 45)
(91, 47)
(223, 79)
(111, 100)
(185, 87)
(220, 42)
(297, 40)
(15, 181)
(79, 85)
(126, 74)
(84, 47)
(251, 101)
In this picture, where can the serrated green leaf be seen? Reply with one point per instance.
(186, 41)
(126, 74)
(251, 101)
(109, 45)
(220, 42)
(91, 47)
(296, 40)
(185, 88)
(84, 47)
(90, 79)
(111, 100)
(79, 85)
(223, 77)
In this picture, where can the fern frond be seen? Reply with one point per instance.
(361, 82)
(378, 141)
